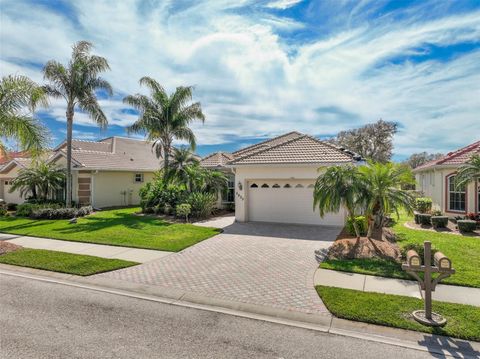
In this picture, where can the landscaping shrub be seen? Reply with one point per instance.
(157, 194)
(11, 206)
(466, 225)
(415, 217)
(26, 209)
(424, 219)
(423, 204)
(439, 221)
(183, 210)
(362, 225)
(84, 211)
(417, 247)
(437, 213)
(3, 212)
(61, 213)
(202, 204)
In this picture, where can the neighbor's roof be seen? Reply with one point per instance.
(4, 158)
(21, 162)
(297, 149)
(217, 159)
(454, 158)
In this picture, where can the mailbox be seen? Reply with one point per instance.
(441, 261)
(413, 259)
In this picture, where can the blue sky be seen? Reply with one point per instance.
(262, 68)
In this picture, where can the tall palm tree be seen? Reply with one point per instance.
(19, 96)
(164, 117)
(40, 179)
(181, 158)
(469, 172)
(337, 187)
(382, 193)
(77, 83)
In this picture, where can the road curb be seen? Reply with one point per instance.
(434, 344)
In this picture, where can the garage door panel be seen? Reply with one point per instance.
(286, 202)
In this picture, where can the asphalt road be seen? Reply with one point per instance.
(44, 320)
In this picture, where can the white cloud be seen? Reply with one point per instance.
(282, 4)
(251, 82)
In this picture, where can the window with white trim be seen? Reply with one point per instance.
(138, 177)
(456, 195)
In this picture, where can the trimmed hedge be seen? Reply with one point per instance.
(61, 213)
(424, 219)
(26, 209)
(423, 204)
(466, 225)
(362, 225)
(439, 221)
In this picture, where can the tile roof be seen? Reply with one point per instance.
(4, 158)
(267, 144)
(217, 159)
(298, 149)
(457, 157)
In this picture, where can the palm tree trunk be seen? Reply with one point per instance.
(371, 223)
(355, 225)
(69, 155)
(166, 160)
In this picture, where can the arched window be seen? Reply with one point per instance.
(299, 186)
(287, 186)
(253, 185)
(310, 185)
(456, 196)
(265, 185)
(276, 185)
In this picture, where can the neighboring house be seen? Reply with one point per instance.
(105, 173)
(436, 179)
(218, 161)
(274, 179)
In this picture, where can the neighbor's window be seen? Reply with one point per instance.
(138, 177)
(228, 195)
(456, 195)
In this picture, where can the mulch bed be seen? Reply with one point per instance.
(6, 247)
(347, 246)
(451, 229)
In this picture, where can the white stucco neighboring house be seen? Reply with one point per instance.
(436, 179)
(274, 179)
(106, 173)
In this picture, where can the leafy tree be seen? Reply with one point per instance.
(418, 159)
(337, 187)
(381, 192)
(77, 83)
(39, 180)
(468, 172)
(19, 96)
(373, 141)
(164, 118)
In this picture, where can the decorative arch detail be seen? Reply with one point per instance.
(253, 185)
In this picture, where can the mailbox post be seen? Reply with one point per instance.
(443, 266)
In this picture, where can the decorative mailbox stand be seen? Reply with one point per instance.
(443, 266)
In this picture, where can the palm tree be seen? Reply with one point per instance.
(165, 118)
(468, 172)
(40, 179)
(337, 187)
(382, 193)
(77, 83)
(182, 158)
(199, 179)
(19, 96)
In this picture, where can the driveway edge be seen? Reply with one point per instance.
(324, 323)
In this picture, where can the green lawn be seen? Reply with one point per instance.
(78, 264)
(395, 311)
(118, 227)
(464, 252)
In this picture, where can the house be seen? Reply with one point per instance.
(436, 179)
(274, 179)
(105, 173)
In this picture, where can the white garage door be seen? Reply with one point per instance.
(286, 201)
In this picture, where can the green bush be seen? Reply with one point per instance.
(157, 194)
(439, 221)
(362, 225)
(202, 204)
(3, 212)
(12, 206)
(61, 213)
(424, 219)
(417, 247)
(466, 225)
(183, 210)
(26, 209)
(423, 204)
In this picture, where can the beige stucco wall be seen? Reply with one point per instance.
(433, 183)
(107, 188)
(245, 174)
(5, 194)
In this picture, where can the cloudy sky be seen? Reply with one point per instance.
(262, 68)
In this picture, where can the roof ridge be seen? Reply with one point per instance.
(268, 148)
(458, 152)
(266, 141)
(337, 148)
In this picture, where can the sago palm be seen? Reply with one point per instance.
(469, 172)
(337, 187)
(77, 83)
(19, 96)
(382, 193)
(164, 118)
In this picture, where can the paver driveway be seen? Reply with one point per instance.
(257, 263)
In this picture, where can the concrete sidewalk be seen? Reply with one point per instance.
(369, 283)
(97, 250)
